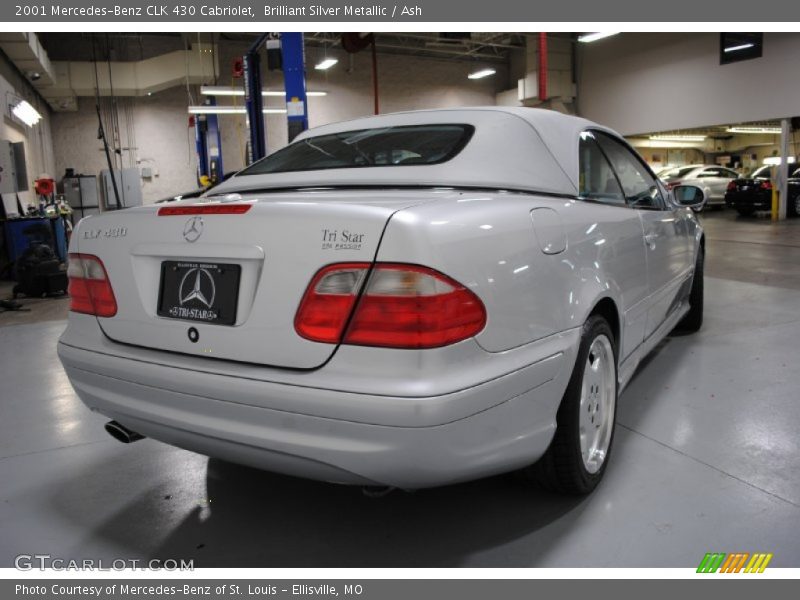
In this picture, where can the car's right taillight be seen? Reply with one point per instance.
(766, 185)
(89, 287)
(401, 306)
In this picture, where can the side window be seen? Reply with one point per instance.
(639, 186)
(597, 179)
(728, 174)
(708, 173)
(762, 173)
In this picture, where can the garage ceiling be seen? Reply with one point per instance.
(494, 47)
(719, 132)
(457, 46)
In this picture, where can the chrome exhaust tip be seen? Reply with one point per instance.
(122, 433)
(377, 491)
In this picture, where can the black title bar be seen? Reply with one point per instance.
(443, 11)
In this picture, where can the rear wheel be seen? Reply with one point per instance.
(693, 320)
(796, 205)
(578, 454)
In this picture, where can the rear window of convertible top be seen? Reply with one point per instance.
(380, 147)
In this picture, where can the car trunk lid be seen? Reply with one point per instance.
(170, 272)
(748, 184)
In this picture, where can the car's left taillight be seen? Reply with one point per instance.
(731, 186)
(401, 306)
(89, 287)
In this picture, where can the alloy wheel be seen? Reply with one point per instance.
(598, 396)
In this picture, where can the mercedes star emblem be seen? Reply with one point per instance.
(193, 229)
(201, 287)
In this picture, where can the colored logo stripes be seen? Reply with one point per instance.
(736, 562)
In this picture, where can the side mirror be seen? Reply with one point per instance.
(689, 196)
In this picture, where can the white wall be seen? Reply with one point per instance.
(639, 83)
(162, 139)
(38, 143)
(161, 131)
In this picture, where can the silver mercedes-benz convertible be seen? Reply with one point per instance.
(408, 300)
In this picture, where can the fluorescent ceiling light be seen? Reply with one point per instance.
(230, 110)
(325, 64)
(767, 130)
(593, 37)
(660, 144)
(283, 94)
(678, 138)
(776, 160)
(737, 48)
(481, 74)
(223, 90)
(26, 113)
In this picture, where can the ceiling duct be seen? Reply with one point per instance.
(61, 82)
(24, 50)
(130, 78)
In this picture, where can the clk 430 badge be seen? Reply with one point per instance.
(112, 232)
(333, 239)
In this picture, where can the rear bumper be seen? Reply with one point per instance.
(749, 201)
(485, 428)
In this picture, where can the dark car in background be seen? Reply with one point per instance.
(753, 193)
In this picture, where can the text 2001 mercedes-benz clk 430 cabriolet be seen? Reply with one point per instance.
(406, 300)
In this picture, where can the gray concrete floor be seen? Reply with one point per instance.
(707, 458)
(34, 310)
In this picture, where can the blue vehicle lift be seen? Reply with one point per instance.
(209, 148)
(294, 81)
(293, 64)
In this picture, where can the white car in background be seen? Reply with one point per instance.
(408, 300)
(712, 179)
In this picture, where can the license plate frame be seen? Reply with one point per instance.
(199, 291)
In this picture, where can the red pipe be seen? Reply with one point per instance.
(375, 77)
(542, 66)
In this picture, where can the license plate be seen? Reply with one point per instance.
(199, 291)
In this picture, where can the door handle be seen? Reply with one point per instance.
(650, 239)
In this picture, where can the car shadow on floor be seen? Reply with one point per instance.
(257, 519)
(653, 379)
(252, 518)
(653, 356)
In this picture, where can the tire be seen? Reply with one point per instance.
(796, 204)
(693, 320)
(745, 212)
(575, 464)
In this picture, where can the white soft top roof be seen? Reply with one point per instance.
(512, 148)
